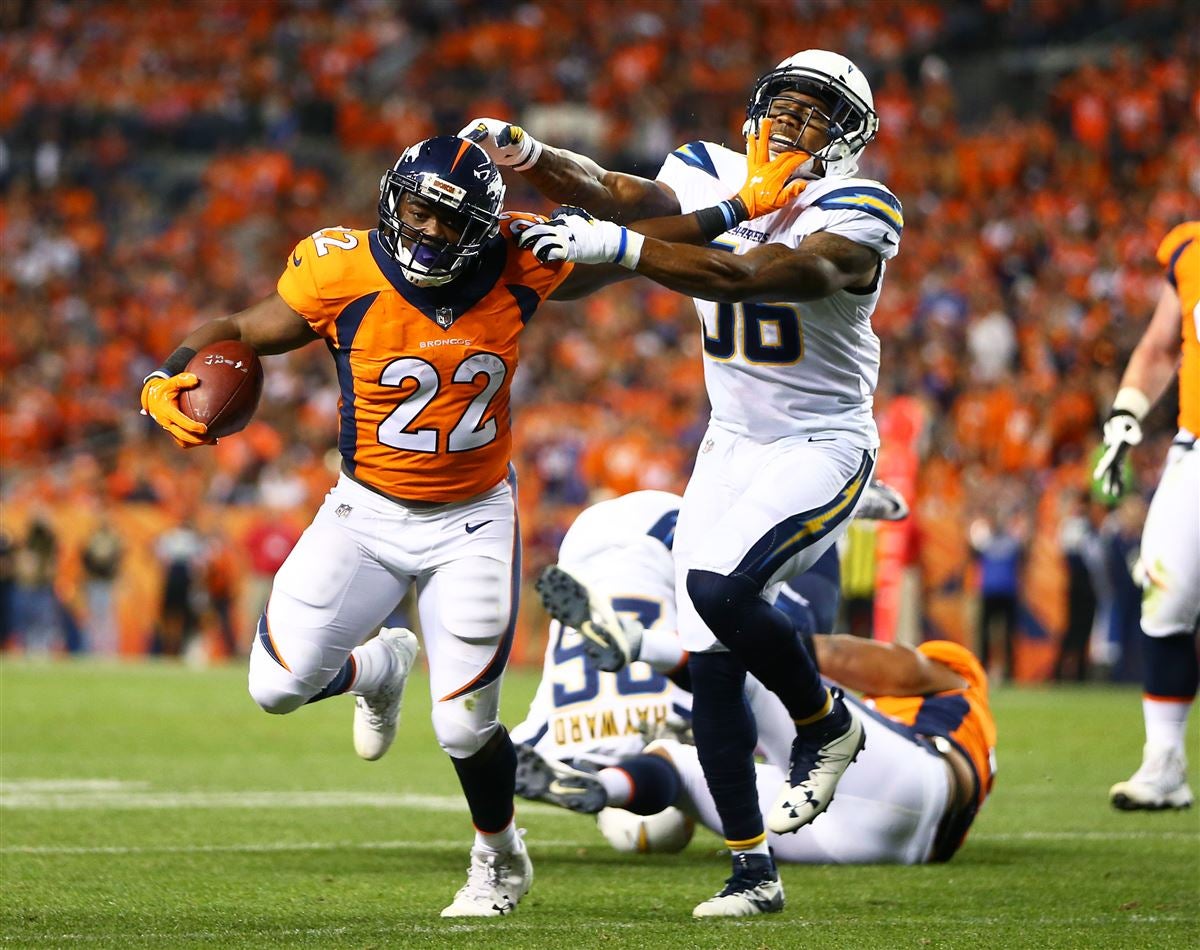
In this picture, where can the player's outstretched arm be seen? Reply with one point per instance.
(569, 178)
(882, 669)
(269, 326)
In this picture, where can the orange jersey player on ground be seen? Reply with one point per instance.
(1170, 555)
(422, 317)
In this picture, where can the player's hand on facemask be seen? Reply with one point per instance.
(160, 401)
(1122, 431)
(505, 143)
(572, 234)
(769, 184)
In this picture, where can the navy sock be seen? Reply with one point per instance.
(339, 684)
(655, 784)
(1171, 668)
(488, 780)
(725, 738)
(760, 636)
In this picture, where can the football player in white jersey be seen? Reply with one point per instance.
(784, 295)
(910, 797)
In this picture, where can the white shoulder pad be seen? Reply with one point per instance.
(857, 208)
(698, 170)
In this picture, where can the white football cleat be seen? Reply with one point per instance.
(814, 772)
(609, 642)
(881, 502)
(376, 716)
(1160, 783)
(496, 882)
(754, 888)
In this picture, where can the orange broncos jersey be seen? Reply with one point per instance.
(1179, 253)
(962, 715)
(425, 372)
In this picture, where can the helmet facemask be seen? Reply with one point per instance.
(850, 121)
(427, 260)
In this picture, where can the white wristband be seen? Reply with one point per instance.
(629, 252)
(1133, 401)
(535, 152)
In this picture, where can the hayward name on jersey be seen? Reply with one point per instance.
(790, 368)
(425, 373)
(622, 546)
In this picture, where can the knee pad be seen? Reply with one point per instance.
(720, 599)
(461, 732)
(273, 686)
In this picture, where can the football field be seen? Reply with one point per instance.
(153, 805)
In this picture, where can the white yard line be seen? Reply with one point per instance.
(438, 845)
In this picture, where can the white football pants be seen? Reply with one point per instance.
(354, 564)
(767, 509)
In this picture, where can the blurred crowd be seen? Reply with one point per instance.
(158, 162)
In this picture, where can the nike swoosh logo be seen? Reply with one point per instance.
(472, 528)
(813, 438)
(296, 259)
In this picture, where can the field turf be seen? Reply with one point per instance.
(153, 805)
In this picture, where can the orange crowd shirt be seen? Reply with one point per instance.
(425, 373)
(1179, 253)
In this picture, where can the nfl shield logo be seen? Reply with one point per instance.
(445, 316)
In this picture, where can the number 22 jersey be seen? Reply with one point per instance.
(424, 372)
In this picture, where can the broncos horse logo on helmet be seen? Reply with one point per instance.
(462, 186)
(849, 106)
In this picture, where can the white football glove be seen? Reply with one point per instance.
(1122, 431)
(505, 143)
(572, 234)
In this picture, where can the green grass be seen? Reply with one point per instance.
(155, 806)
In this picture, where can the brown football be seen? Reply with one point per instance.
(231, 382)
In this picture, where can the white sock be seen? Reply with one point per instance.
(376, 664)
(500, 841)
(1166, 722)
(617, 785)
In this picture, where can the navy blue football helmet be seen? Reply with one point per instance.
(464, 187)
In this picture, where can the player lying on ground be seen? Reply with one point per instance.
(422, 317)
(589, 717)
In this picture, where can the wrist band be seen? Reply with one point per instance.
(1132, 401)
(535, 152)
(720, 218)
(629, 250)
(177, 362)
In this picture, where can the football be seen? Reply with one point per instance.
(231, 382)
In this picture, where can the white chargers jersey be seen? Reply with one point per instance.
(791, 368)
(622, 547)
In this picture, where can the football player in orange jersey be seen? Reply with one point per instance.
(422, 317)
(1170, 555)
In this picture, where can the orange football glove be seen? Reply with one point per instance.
(160, 401)
(767, 187)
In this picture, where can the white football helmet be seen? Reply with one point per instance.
(835, 80)
(667, 832)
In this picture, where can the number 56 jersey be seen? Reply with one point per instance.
(784, 368)
(424, 372)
